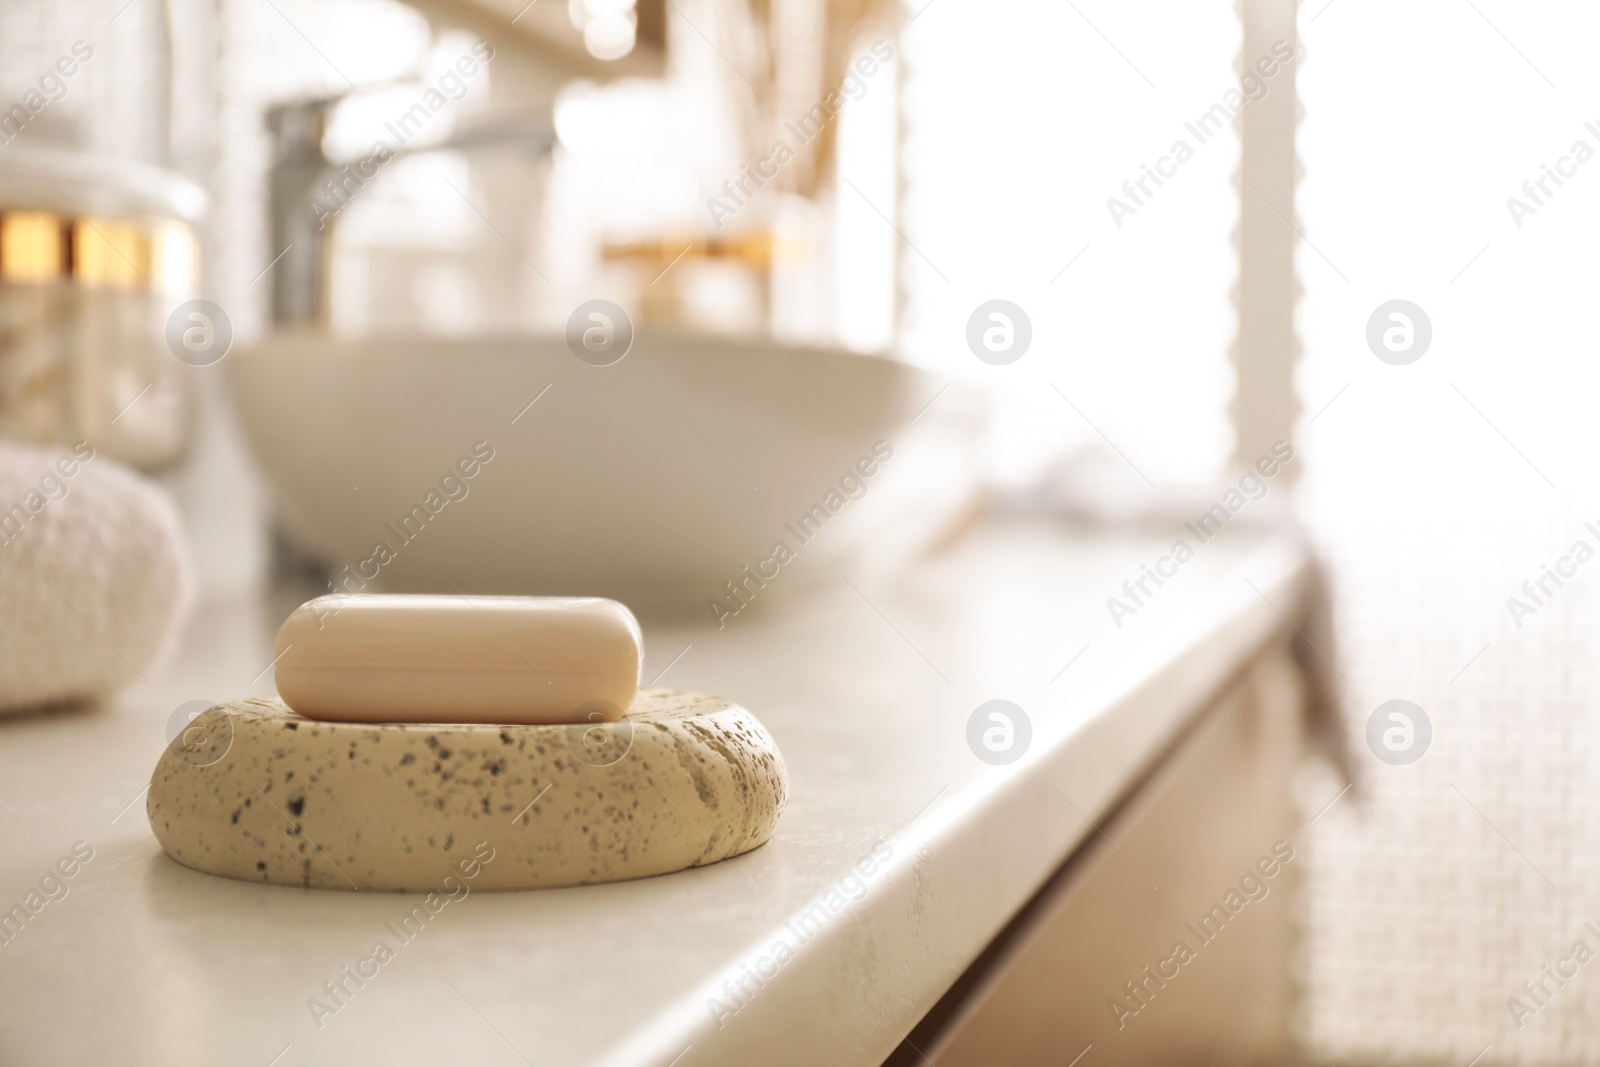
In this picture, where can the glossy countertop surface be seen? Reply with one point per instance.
(900, 856)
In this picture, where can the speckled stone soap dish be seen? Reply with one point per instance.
(252, 791)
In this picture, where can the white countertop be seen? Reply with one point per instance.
(868, 694)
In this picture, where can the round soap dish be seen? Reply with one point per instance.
(252, 791)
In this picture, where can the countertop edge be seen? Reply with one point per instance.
(857, 986)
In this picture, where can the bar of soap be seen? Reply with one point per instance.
(254, 792)
(459, 659)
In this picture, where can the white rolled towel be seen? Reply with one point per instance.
(94, 576)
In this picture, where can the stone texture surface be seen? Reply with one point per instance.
(253, 791)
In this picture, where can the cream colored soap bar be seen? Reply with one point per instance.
(455, 659)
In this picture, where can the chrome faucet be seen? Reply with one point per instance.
(302, 177)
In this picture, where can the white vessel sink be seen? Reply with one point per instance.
(656, 480)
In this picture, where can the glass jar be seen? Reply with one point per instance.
(97, 239)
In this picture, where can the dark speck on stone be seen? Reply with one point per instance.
(291, 726)
(505, 738)
(408, 758)
(297, 805)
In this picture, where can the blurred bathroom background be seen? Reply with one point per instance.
(594, 151)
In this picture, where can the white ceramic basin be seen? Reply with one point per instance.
(655, 480)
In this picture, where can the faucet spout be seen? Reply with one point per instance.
(301, 227)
